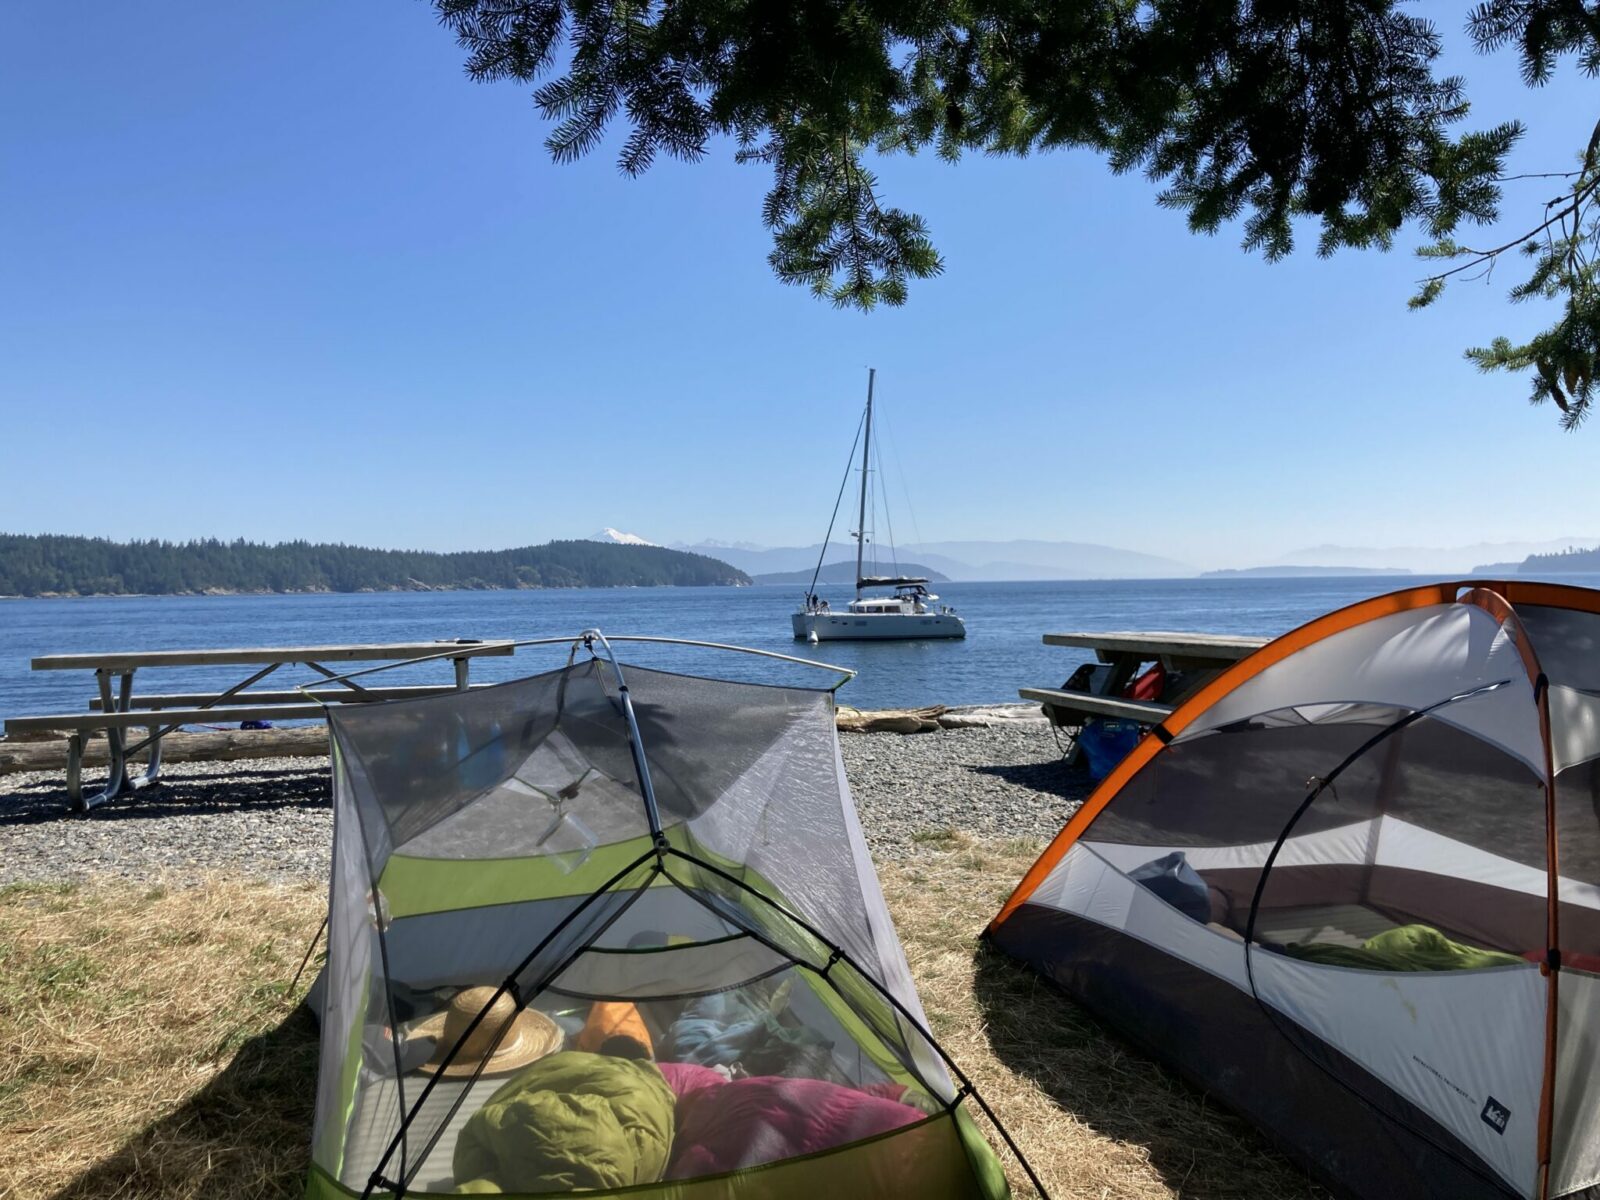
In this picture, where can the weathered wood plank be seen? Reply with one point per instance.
(259, 655)
(1141, 711)
(171, 716)
(1204, 647)
(334, 695)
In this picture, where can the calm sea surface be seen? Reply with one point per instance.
(1001, 652)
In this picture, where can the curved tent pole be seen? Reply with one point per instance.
(837, 953)
(508, 987)
(1274, 652)
(848, 673)
(641, 766)
(1261, 885)
(1324, 782)
(523, 999)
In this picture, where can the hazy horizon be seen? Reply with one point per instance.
(1419, 560)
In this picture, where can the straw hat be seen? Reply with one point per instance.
(531, 1034)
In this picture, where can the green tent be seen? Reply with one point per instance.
(681, 854)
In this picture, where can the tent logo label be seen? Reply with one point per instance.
(1496, 1115)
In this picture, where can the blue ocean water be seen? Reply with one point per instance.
(1002, 651)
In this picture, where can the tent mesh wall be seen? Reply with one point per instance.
(500, 838)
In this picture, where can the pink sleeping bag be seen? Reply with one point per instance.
(726, 1126)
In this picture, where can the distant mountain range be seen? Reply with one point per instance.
(1287, 571)
(992, 561)
(1023, 559)
(1429, 560)
(844, 571)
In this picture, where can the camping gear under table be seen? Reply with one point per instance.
(116, 709)
(1200, 657)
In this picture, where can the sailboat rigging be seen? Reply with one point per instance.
(909, 612)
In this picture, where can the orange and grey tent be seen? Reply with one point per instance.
(1352, 889)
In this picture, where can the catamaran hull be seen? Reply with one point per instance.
(875, 627)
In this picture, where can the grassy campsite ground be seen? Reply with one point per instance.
(150, 1046)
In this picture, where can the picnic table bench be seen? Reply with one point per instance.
(116, 709)
(1200, 657)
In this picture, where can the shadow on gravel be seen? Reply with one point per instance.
(260, 790)
(247, 1133)
(1203, 1152)
(1052, 777)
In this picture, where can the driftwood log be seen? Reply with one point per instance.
(51, 755)
(889, 720)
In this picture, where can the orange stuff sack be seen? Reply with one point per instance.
(611, 1026)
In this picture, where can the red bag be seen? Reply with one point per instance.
(1148, 686)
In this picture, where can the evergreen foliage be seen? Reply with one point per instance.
(1572, 560)
(33, 565)
(1274, 113)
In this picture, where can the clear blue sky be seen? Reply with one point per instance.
(279, 270)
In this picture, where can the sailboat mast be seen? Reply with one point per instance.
(866, 451)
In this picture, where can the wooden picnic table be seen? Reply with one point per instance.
(1200, 657)
(117, 709)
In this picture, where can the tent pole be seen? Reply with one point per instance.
(849, 673)
(1322, 784)
(508, 987)
(635, 742)
(523, 998)
(839, 954)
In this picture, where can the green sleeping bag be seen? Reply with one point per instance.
(568, 1122)
(1405, 948)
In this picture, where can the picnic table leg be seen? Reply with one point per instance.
(75, 771)
(116, 738)
(152, 772)
(462, 667)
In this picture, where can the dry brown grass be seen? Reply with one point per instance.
(148, 1052)
(147, 1046)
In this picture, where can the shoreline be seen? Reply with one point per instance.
(271, 819)
(43, 753)
(368, 591)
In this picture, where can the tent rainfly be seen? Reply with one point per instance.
(619, 936)
(1352, 888)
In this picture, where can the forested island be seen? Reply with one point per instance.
(52, 565)
(1571, 560)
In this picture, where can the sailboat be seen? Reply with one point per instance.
(909, 612)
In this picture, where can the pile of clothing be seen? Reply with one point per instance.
(740, 1086)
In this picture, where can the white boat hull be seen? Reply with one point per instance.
(875, 627)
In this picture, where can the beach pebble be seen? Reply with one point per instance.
(270, 818)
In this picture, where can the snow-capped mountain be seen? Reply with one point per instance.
(609, 534)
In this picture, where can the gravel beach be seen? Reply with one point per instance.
(270, 817)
